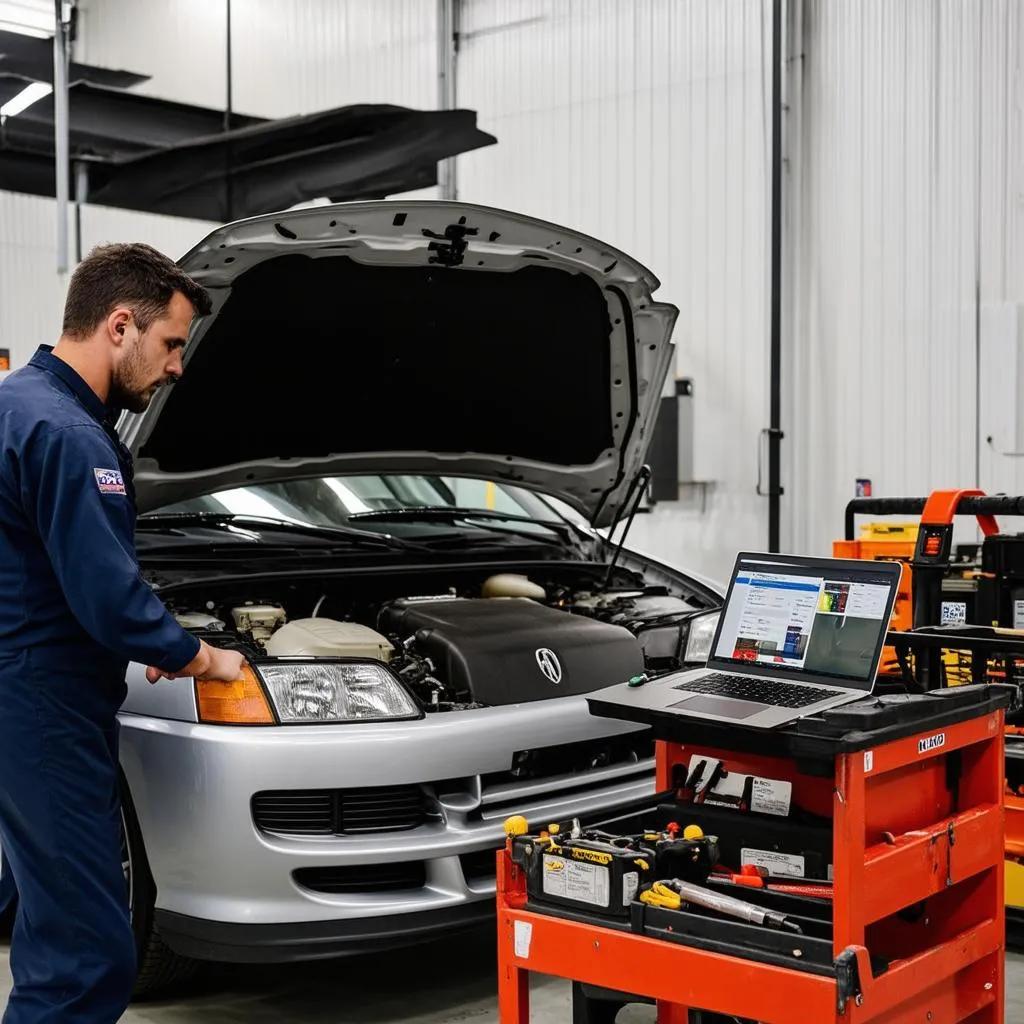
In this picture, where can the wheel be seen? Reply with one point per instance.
(159, 967)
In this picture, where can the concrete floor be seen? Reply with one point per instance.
(380, 989)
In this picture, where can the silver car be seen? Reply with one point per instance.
(388, 475)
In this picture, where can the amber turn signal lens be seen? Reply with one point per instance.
(239, 703)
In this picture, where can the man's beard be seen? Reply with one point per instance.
(128, 389)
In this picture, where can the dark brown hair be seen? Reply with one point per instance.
(128, 274)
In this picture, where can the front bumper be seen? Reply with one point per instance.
(225, 884)
(312, 940)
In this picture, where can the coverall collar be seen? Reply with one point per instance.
(44, 359)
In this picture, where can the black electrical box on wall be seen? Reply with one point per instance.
(671, 453)
(663, 455)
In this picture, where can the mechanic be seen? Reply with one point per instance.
(74, 611)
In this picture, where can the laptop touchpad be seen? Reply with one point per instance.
(724, 706)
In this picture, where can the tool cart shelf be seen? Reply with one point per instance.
(1015, 844)
(951, 656)
(908, 793)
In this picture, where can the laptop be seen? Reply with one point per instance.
(797, 635)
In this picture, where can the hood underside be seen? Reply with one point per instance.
(411, 337)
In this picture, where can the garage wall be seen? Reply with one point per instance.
(645, 124)
(642, 122)
(31, 290)
(906, 229)
(288, 56)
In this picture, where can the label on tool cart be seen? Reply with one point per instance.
(767, 796)
(775, 863)
(572, 880)
(523, 935)
(771, 797)
(1018, 614)
(931, 743)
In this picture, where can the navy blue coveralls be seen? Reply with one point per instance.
(74, 610)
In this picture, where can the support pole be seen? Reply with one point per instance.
(775, 369)
(62, 161)
(229, 197)
(447, 91)
(229, 98)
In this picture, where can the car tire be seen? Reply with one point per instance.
(159, 967)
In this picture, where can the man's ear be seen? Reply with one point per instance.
(118, 323)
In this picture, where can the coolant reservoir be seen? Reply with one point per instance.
(328, 638)
(199, 620)
(259, 619)
(508, 584)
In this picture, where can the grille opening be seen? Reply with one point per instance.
(342, 811)
(383, 809)
(478, 867)
(574, 758)
(366, 878)
(296, 812)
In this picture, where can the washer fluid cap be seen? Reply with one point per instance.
(508, 584)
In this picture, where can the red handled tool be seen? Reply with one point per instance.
(755, 877)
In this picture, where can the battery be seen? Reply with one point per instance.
(603, 874)
(582, 874)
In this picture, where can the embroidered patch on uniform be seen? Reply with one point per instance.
(109, 481)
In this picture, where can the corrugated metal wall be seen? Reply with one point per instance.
(31, 290)
(288, 56)
(907, 250)
(646, 124)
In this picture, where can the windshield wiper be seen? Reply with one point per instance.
(334, 534)
(484, 517)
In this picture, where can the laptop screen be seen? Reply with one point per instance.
(824, 618)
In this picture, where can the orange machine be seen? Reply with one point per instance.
(925, 549)
(910, 794)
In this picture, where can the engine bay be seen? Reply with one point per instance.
(494, 639)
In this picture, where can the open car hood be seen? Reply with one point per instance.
(418, 337)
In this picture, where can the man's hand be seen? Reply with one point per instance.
(210, 663)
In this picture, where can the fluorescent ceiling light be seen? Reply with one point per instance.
(28, 17)
(29, 95)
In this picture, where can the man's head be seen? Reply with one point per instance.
(134, 307)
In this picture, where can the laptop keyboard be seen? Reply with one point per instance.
(762, 691)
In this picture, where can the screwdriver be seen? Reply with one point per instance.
(810, 889)
(733, 907)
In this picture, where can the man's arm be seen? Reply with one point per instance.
(76, 497)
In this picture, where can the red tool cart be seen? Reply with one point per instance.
(897, 800)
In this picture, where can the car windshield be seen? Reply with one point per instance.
(333, 500)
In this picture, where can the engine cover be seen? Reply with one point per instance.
(511, 650)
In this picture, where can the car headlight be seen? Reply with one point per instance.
(337, 692)
(698, 640)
